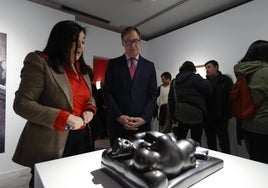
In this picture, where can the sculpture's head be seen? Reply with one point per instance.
(122, 147)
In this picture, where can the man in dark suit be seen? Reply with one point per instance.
(130, 101)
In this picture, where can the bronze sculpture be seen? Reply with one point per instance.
(151, 159)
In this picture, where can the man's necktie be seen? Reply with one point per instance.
(132, 67)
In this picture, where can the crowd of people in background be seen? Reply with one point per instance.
(254, 66)
(65, 112)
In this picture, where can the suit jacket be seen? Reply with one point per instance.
(41, 95)
(124, 96)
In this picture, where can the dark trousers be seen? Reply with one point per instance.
(164, 121)
(218, 130)
(31, 183)
(78, 142)
(181, 131)
(256, 145)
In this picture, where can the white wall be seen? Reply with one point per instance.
(224, 37)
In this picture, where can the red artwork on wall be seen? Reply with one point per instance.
(99, 68)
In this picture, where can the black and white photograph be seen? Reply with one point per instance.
(3, 37)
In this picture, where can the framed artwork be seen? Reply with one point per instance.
(99, 68)
(200, 69)
(3, 39)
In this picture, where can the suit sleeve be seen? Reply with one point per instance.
(152, 98)
(108, 89)
(27, 97)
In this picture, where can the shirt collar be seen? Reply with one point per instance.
(128, 58)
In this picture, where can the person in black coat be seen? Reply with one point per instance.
(193, 89)
(219, 108)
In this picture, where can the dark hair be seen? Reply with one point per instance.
(59, 43)
(257, 51)
(128, 30)
(187, 66)
(214, 63)
(166, 75)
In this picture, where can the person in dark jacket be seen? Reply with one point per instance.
(130, 98)
(219, 108)
(193, 89)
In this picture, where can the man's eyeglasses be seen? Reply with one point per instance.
(131, 42)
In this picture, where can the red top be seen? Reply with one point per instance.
(80, 95)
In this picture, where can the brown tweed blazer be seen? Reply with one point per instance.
(41, 95)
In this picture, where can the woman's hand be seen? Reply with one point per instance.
(87, 116)
(75, 122)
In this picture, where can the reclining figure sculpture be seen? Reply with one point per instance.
(150, 159)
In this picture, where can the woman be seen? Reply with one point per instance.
(192, 89)
(55, 98)
(254, 65)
